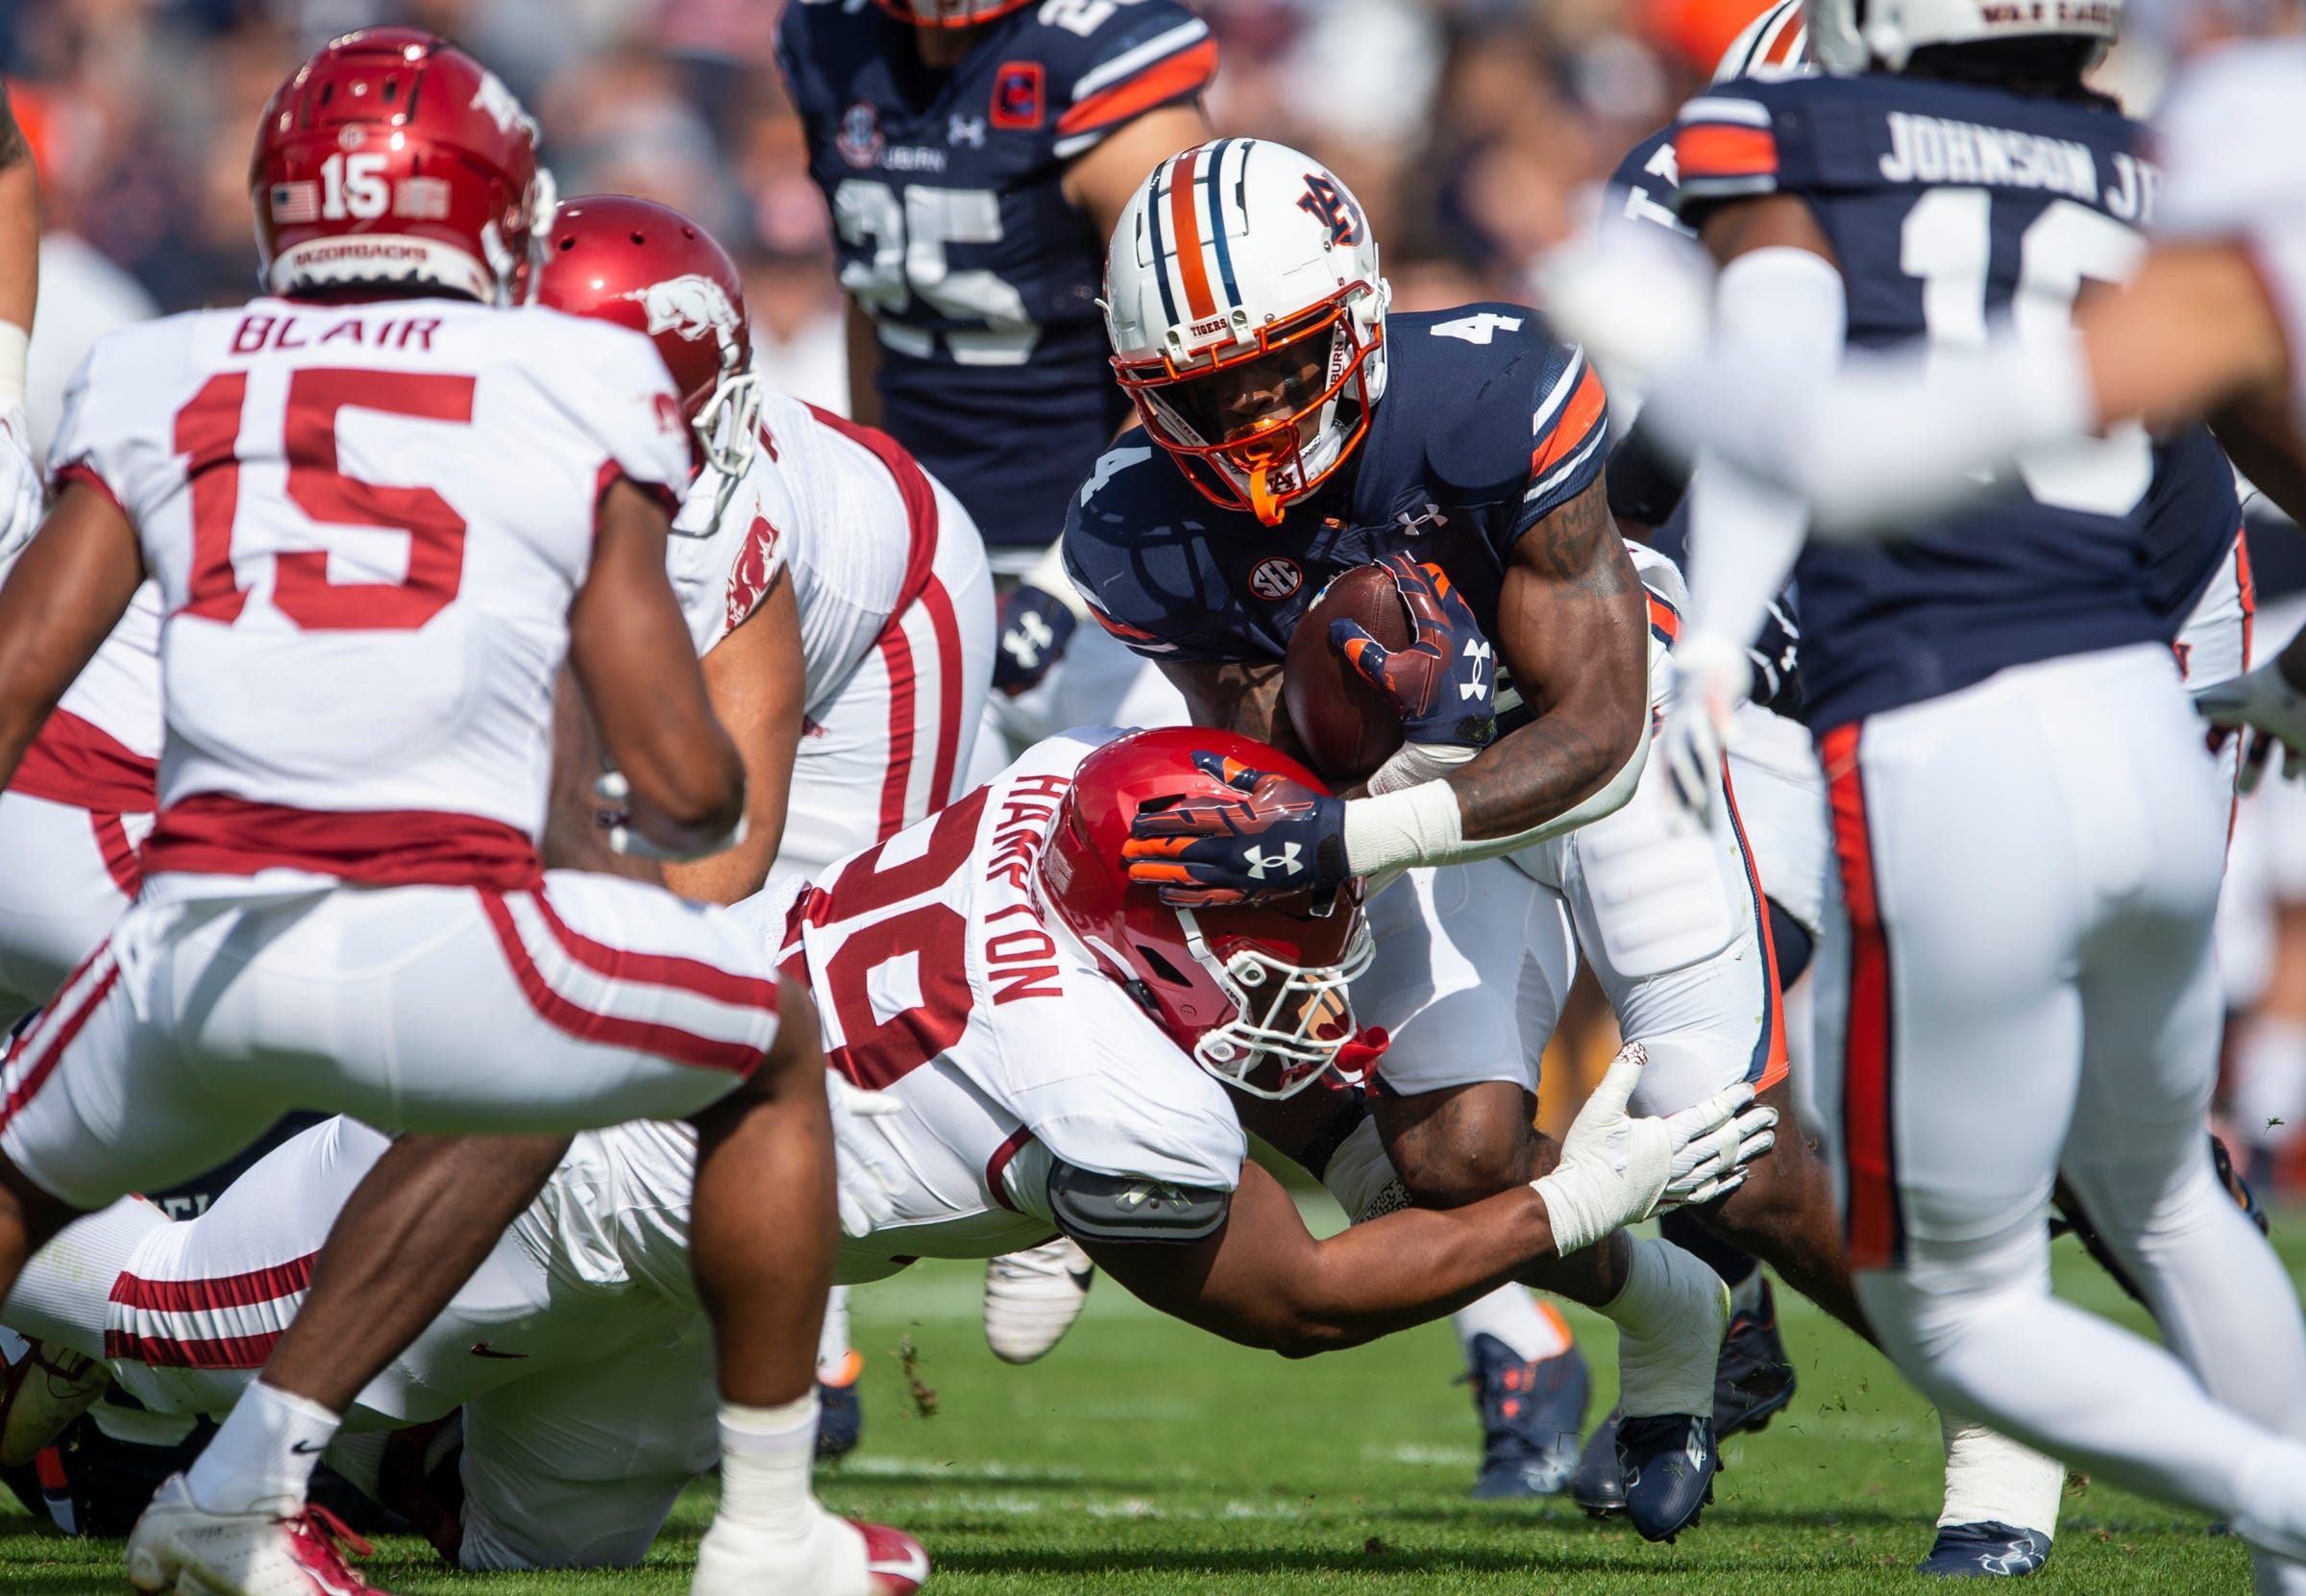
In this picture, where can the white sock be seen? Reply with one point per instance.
(766, 1454)
(1513, 1316)
(264, 1452)
(1990, 1479)
(61, 1296)
(1669, 1318)
(832, 1342)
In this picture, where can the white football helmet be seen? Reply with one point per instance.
(950, 13)
(1856, 36)
(1774, 44)
(1248, 319)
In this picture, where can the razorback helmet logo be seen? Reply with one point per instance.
(692, 306)
(491, 95)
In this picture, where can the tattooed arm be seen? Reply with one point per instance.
(1573, 627)
(19, 228)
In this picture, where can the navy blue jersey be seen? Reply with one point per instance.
(1486, 425)
(1951, 206)
(1645, 186)
(955, 236)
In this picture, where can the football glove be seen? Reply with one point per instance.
(1444, 684)
(1617, 1169)
(867, 1184)
(22, 495)
(1036, 626)
(1711, 678)
(1278, 838)
(2267, 711)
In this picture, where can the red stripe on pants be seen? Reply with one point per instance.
(252, 1290)
(1868, 1136)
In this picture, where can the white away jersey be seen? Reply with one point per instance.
(843, 508)
(366, 523)
(939, 980)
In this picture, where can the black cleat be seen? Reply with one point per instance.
(1985, 1552)
(1752, 1381)
(1755, 1378)
(841, 1411)
(1669, 1462)
(1598, 1485)
(1530, 1414)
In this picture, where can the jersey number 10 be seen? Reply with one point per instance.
(1948, 242)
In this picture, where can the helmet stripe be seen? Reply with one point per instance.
(1157, 238)
(1186, 224)
(1216, 224)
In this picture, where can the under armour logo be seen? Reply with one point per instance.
(1286, 861)
(1143, 1191)
(1026, 638)
(1477, 650)
(1417, 525)
(965, 130)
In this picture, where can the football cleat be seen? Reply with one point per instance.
(835, 1557)
(1752, 1381)
(1669, 1462)
(1531, 1415)
(1754, 1377)
(43, 1389)
(1033, 1297)
(840, 1410)
(178, 1548)
(1986, 1551)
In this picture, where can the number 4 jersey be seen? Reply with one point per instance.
(956, 237)
(366, 523)
(1949, 207)
(1035, 1094)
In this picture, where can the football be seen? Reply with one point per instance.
(1348, 729)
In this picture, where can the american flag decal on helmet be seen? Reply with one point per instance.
(295, 202)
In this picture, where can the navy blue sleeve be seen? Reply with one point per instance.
(1142, 568)
(1642, 192)
(1110, 64)
(1569, 434)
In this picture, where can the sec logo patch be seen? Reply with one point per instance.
(1275, 578)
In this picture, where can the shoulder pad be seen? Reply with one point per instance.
(1110, 62)
(1642, 188)
(1132, 547)
(1091, 1207)
(1523, 416)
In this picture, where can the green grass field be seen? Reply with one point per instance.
(1145, 1458)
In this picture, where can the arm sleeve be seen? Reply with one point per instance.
(1145, 57)
(1724, 148)
(1745, 533)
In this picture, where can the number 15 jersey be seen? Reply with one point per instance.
(1951, 206)
(366, 523)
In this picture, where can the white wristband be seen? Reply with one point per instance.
(15, 342)
(1417, 826)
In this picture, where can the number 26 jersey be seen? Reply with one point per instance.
(1950, 209)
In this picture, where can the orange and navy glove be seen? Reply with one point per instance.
(1444, 684)
(1279, 838)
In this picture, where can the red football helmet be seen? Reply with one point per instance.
(1257, 995)
(950, 13)
(393, 157)
(647, 267)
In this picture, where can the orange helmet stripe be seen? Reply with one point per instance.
(1185, 231)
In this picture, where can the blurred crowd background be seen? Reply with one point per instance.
(1476, 133)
